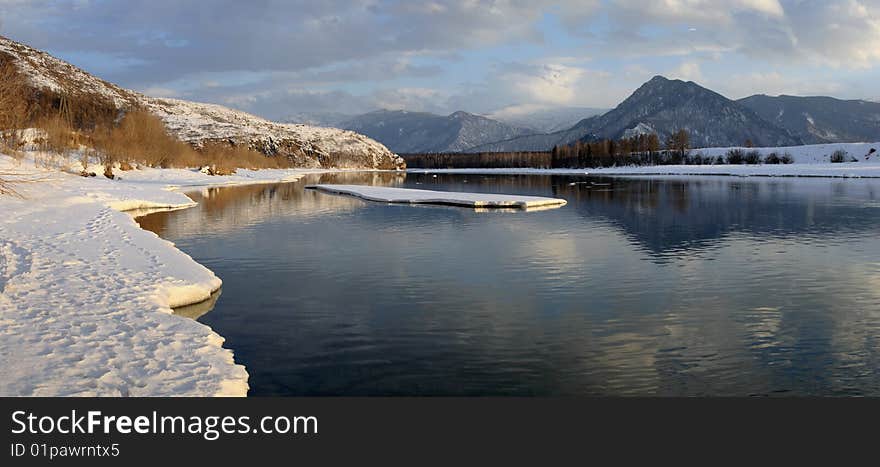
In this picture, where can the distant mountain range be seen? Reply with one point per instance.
(421, 132)
(817, 120)
(545, 120)
(661, 106)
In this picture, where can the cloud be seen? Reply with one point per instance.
(776, 83)
(843, 33)
(268, 56)
(552, 83)
(688, 71)
(541, 85)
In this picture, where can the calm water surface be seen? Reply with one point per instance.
(692, 286)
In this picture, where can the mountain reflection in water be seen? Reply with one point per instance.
(639, 286)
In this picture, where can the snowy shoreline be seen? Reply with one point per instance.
(809, 161)
(86, 294)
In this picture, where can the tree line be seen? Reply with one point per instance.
(645, 149)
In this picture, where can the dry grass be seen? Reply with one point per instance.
(84, 122)
(227, 156)
(9, 144)
(141, 138)
(6, 187)
(15, 98)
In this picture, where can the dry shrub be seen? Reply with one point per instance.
(60, 136)
(225, 157)
(10, 144)
(83, 121)
(838, 156)
(6, 187)
(140, 137)
(15, 107)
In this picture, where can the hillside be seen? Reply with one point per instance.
(421, 132)
(53, 82)
(663, 106)
(820, 119)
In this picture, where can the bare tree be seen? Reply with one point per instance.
(14, 104)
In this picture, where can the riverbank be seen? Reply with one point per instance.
(808, 161)
(86, 294)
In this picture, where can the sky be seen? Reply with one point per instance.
(505, 58)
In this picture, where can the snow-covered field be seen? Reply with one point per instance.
(86, 294)
(410, 196)
(809, 161)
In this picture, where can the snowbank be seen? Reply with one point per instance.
(809, 161)
(410, 196)
(86, 294)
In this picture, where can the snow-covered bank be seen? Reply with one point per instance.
(86, 294)
(410, 196)
(809, 161)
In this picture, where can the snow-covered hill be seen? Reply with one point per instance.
(308, 146)
(199, 123)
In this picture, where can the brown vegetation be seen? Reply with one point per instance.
(92, 124)
(14, 108)
(6, 187)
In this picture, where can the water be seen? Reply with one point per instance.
(699, 286)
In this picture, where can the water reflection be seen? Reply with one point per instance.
(718, 286)
(197, 310)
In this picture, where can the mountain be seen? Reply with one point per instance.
(51, 79)
(542, 141)
(545, 120)
(663, 106)
(820, 119)
(420, 132)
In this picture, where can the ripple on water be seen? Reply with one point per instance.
(656, 287)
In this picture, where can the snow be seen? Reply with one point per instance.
(638, 130)
(809, 161)
(198, 123)
(86, 294)
(47, 72)
(411, 196)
